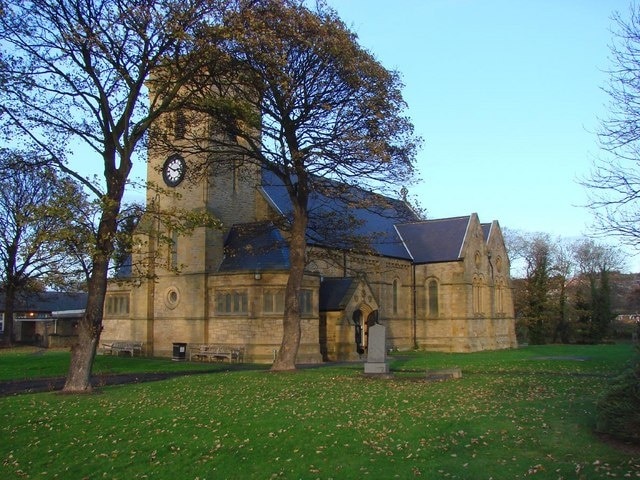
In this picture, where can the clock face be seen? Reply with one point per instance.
(173, 170)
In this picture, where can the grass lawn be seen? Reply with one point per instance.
(514, 414)
(22, 363)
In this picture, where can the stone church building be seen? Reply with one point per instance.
(440, 285)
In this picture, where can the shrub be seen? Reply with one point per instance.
(618, 410)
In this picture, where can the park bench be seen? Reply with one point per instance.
(220, 353)
(117, 347)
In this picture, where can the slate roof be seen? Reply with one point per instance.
(125, 270)
(254, 246)
(433, 241)
(333, 293)
(486, 230)
(336, 222)
(48, 301)
(392, 228)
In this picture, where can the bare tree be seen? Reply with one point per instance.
(314, 109)
(595, 263)
(35, 227)
(565, 293)
(614, 183)
(75, 72)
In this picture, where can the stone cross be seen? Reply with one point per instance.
(377, 350)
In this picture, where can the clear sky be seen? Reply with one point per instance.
(506, 95)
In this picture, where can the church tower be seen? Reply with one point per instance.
(174, 303)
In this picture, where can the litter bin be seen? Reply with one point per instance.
(179, 351)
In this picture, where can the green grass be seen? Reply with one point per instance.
(514, 414)
(22, 363)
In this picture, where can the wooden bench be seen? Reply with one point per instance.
(117, 347)
(220, 353)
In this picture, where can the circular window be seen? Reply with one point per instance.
(172, 297)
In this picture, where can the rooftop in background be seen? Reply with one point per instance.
(47, 301)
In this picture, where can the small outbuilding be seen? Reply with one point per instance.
(46, 319)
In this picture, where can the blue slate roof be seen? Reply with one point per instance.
(433, 241)
(254, 247)
(47, 301)
(387, 226)
(486, 230)
(356, 217)
(333, 293)
(125, 269)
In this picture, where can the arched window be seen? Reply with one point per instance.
(395, 296)
(432, 295)
(499, 296)
(180, 125)
(173, 250)
(478, 306)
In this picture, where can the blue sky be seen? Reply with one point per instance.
(506, 95)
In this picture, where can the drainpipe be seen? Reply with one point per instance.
(492, 290)
(415, 306)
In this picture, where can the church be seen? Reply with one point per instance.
(438, 284)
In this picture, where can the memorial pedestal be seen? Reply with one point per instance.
(377, 351)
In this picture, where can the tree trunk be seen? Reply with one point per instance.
(83, 352)
(286, 359)
(9, 305)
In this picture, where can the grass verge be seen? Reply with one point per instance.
(24, 362)
(514, 414)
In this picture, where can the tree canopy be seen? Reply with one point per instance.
(566, 293)
(307, 103)
(75, 73)
(283, 86)
(40, 233)
(614, 183)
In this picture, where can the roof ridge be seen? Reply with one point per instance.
(433, 220)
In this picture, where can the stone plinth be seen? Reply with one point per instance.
(377, 351)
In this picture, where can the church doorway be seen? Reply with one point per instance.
(363, 319)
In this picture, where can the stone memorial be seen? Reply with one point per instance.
(377, 351)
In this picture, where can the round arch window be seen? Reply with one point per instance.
(172, 297)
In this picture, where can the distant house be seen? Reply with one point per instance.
(46, 319)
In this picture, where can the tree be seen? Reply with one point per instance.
(75, 72)
(35, 226)
(537, 281)
(309, 105)
(614, 184)
(566, 293)
(563, 270)
(595, 263)
(617, 412)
